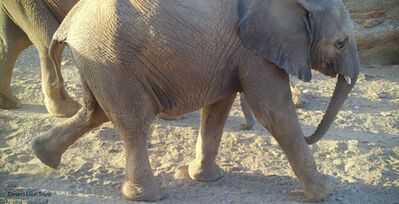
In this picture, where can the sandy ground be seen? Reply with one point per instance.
(360, 153)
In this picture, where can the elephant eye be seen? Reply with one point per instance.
(340, 44)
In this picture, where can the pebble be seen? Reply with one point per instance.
(386, 114)
(114, 150)
(92, 180)
(383, 95)
(368, 77)
(107, 182)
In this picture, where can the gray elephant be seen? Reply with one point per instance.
(27, 22)
(139, 58)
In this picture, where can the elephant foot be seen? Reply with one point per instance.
(150, 190)
(200, 172)
(8, 102)
(248, 125)
(62, 108)
(316, 190)
(45, 153)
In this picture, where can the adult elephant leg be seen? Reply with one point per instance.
(274, 109)
(249, 117)
(50, 146)
(37, 21)
(12, 41)
(213, 118)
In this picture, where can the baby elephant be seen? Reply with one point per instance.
(139, 58)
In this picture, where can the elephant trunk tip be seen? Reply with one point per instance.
(342, 89)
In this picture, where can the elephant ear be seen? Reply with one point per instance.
(278, 31)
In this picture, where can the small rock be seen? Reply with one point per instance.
(370, 67)
(114, 150)
(383, 95)
(92, 180)
(337, 162)
(104, 128)
(386, 114)
(107, 182)
(64, 62)
(368, 77)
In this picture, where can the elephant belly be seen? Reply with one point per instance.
(180, 96)
(185, 61)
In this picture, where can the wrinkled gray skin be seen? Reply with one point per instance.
(141, 58)
(27, 22)
(24, 23)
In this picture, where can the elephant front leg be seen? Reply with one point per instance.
(286, 130)
(274, 109)
(213, 118)
(283, 123)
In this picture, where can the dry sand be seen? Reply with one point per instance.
(360, 153)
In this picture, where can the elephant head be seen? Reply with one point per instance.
(300, 35)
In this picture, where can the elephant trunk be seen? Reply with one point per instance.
(341, 92)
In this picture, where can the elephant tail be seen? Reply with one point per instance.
(58, 42)
(55, 54)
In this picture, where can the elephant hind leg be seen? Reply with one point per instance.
(213, 118)
(12, 42)
(140, 183)
(50, 146)
(131, 108)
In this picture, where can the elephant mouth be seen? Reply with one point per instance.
(326, 72)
